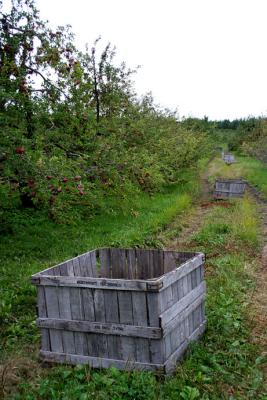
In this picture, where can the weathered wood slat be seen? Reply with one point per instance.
(51, 297)
(126, 317)
(76, 267)
(172, 324)
(87, 296)
(157, 262)
(170, 364)
(155, 346)
(171, 261)
(93, 262)
(64, 269)
(65, 313)
(100, 283)
(77, 314)
(178, 307)
(125, 307)
(105, 266)
(97, 362)
(122, 264)
(100, 316)
(112, 316)
(85, 270)
(182, 270)
(114, 254)
(140, 319)
(144, 259)
(167, 345)
(42, 313)
(131, 264)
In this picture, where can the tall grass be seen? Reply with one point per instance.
(245, 223)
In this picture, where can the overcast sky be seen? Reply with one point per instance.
(206, 57)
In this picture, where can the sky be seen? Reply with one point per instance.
(203, 57)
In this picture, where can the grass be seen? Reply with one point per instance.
(224, 365)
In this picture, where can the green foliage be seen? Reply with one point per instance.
(64, 113)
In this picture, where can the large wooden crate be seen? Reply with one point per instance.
(229, 188)
(130, 308)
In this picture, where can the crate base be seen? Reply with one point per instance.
(97, 362)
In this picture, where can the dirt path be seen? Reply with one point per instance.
(192, 223)
(184, 229)
(259, 297)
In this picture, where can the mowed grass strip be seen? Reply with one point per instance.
(225, 364)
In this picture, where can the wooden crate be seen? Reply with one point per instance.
(128, 308)
(228, 158)
(229, 188)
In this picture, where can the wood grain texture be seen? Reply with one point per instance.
(96, 362)
(51, 297)
(42, 313)
(140, 319)
(178, 307)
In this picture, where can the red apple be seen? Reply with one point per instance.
(30, 183)
(49, 177)
(52, 199)
(77, 178)
(64, 179)
(20, 150)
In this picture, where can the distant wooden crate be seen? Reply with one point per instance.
(229, 188)
(128, 308)
(228, 158)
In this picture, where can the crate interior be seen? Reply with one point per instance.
(121, 264)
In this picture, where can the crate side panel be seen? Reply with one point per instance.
(87, 296)
(112, 315)
(52, 307)
(65, 313)
(128, 350)
(142, 261)
(140, 319)
(77, 313)
(131, 264)
(100, 316)
(105, 263)
(155, 346)
(42, 313)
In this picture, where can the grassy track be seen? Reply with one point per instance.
(249, 168)
(226, 364)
